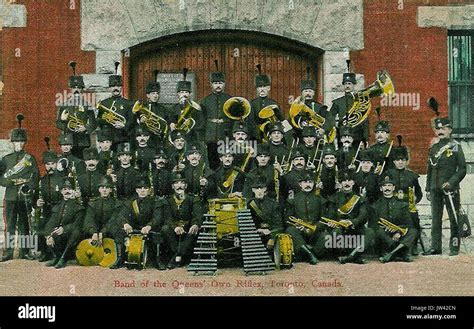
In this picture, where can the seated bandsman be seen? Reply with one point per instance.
(67, 160)
(263, 171)
(278, 148)
(144, 153)
(350, 212)
(327, 179)
(62, 231)
(76, 117)
(307, 234)
(157, 136)
(125, 176)
(88, 181)
(136, 216)
(366, 182)
(100, 213)
(182, 217)
(263, 85)
(291, 180)
(380, 151)
(162, 176)
(47, 196)
(395, 232)
(266, 213)
(177, 158)
(107, 158)
(228, 178)
(197, 173)
(346, 156)
(407, 187)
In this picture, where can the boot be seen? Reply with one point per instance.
(389, 256)
(311, 257)
(44, 257)
(432, 252)
(119, 262)
(414, 249)
(8, 255)
(24, 254)
(62, 260)
(353, 257)
(53, 261)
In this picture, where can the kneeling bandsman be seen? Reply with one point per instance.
(182, 214)
(62, 230)
(347, 216)
(396, 233)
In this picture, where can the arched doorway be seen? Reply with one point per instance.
(238, 53)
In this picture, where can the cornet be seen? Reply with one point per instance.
(153, 122)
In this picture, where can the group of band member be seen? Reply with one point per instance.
(153, 170)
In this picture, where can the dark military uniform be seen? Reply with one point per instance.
(265, 174)
(144, 157)
(69, 215)
(107, 159)
(88, 181)
(340, 107)
(162, 177)
(100, 216)
(221, 175)
(446, 164)
(290, 182)
(126, 176)
(381, 151)
(157, 139)
(69, 158)
(266, 214)
(193, 174)
(366, 185)
(18, 166)
(184, 213)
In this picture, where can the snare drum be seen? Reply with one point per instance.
(136, 250)
(283, 251)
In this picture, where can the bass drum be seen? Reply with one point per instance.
(283, 251)
(136, 250)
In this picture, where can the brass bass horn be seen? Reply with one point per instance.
(300, 112)
(110, 115)
(153, 121)
(237, 108)
(186, 122)
(360, 110)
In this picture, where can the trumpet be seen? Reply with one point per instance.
(153, 122)
(326, 221)
(110, 115)
(298, 223)
(389, 225)
(186, 122)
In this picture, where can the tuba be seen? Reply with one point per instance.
(300, 112)
(153, 121)
(237, 108)
(186, 122)
(268, 114)
(110, 115)
(360, 110)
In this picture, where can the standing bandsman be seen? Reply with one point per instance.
(182, 216)
(75, 117)
(383, 146)
(158, 134)
(217, 125)
(62, 230)
(115, 112)
(178, 117)
(20, 178)
(407, 187)
(446, 170)
(47, 196)
(263, 85)
(341, 106)
(390, 241)
(67, 160)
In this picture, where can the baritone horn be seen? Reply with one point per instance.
(186, 122)
(300, 112)
(268, 113)
(237, 108)
(110, 115)
(153, 122)
(358, 113)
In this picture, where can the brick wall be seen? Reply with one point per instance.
(416, 58)
(45, 46)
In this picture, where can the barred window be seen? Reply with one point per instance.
(460, 81)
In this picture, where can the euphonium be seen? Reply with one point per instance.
(110, 115)
(153, 122)
(237, 108)
(297, 222)
(268, 114)
(186, 122)
(389, 225)
(360, 109)
(299, 112)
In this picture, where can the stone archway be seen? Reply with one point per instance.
(334, 26)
